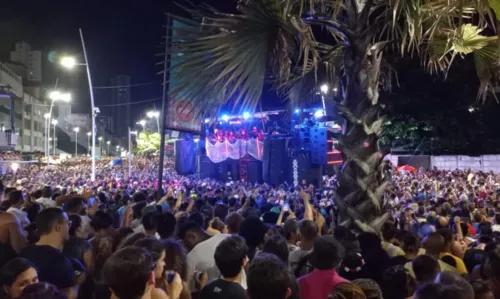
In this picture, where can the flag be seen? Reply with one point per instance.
(182, 114)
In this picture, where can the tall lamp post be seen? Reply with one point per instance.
(54, 96)
(70, 62)
(100, 145)
(324, 90)
(77, 129)
(54, 122)
(155, 114)
(142, 122)
(108, 143)
(130, 133)
(47, 137)
(88, 142)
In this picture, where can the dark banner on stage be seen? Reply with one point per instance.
(182, 114)
(185, 158)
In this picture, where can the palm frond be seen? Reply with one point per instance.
(227, 58)
(486, 63)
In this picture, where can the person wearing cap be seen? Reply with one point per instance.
(324, 258)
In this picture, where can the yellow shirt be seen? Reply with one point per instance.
(461, 269)
(392, 250)
(212, 231)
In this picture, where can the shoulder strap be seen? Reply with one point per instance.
(300, 265)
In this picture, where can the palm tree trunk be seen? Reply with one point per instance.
(360, 190)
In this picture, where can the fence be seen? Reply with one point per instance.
(484, 163)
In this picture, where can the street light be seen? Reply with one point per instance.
(54, 122)
(324, 90)
(130, 133)
(46, 138)
(77, 129)
(88, 142)
(54, 96)
(108, 143)
(100, 145)
(142, 122)
(155, 114)
(70, 63)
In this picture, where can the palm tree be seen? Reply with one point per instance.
(296, 45)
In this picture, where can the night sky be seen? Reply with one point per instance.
(122, 37)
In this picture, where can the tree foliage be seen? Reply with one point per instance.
(148, 143)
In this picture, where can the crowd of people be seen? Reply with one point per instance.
(64, 236)
(10, 156)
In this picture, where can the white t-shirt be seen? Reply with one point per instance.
(46, 202)
(20, 215)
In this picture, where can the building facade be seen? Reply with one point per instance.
(31, 59)
(120, 114)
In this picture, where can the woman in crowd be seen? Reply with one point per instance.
(157, 251)
(15, 276)
(79, 248)
(176, 262)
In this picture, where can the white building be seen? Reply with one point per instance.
(31, 59)
(22, 122)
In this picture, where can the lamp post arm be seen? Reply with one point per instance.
(93, 111)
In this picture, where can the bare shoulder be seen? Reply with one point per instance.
(158, 294)
(7, 218)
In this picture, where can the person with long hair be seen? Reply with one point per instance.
(77, 247)
(15, 276)
(176, 261)
(103, 240)
(158, 252)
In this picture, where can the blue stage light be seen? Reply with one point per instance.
(246, 115)
(297, 110)
(225, 117)
(207, 120)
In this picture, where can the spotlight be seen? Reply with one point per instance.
(297, 110)
(196, 140)
(225, 117)
(319, 114)
(207, 120)
(246, 115)
(324, 88)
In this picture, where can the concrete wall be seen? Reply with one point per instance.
(484, 163)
